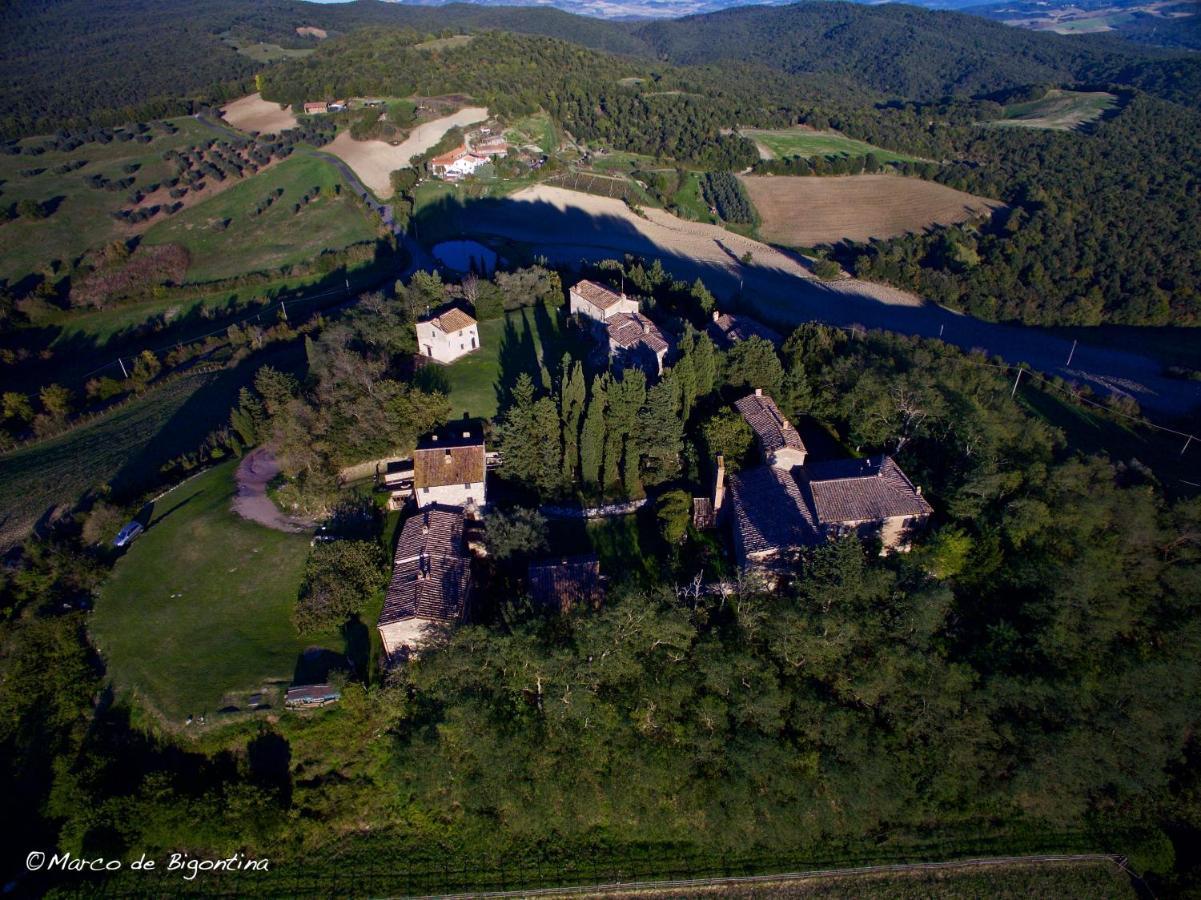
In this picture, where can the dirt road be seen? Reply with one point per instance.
(251, 502)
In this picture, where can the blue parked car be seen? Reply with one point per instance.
(126, 535)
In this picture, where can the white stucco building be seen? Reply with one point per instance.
(597, 302)
(448, 336)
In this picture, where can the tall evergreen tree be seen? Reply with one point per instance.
(592, 440)
(571, 411)
(625, 399)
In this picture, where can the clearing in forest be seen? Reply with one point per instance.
(782, 143)
(1060, 110)
(253, 113)
(374, 161)
(196, 616)
(806, 211)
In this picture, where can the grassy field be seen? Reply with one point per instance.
(80, 219)
(263, 52)
(1059, 110)
(196, 615)
(125, 447)
(623, 544)
(690, 202)
(804, 211)
(1092, 432)
(534, 129)
(226, 238)
(526, 340)
(785, 142)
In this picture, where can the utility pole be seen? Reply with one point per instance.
(1013, 393)
(1186, 443)
(1071, 353)
(124, 374)
(940, 328)
(348, 286)
(283, 309)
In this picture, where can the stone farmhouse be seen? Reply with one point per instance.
(726, 330)
(431, 581)
(316, 108)
(464, 160)
(448, 336)
(633, 339)
(778, 508)
(450, 470)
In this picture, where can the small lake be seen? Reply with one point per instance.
(466, 256)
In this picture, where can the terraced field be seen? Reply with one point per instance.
(1059, 110)
(225, 236)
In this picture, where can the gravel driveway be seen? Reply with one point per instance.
(254, 474)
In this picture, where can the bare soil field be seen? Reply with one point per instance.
(253, 113)
(806, 211)
(312, 31)
(374, 161)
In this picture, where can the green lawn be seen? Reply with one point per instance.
(196, 615)
(530, 340)
(81, 218)
(534, 129)
(625, 550)
(786, 142)
(225, 237)
(690, 202)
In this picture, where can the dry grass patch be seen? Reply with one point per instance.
(311, 31)
(253, 113)
(806, 211)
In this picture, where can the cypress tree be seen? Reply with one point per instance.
(571, 411)
(592, 441)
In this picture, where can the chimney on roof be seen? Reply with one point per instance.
(646, 326)
(719, 484)
(784, 424)
(918, 488)
(434, 438)
(425, 529)
(466, 434)
(716, 315)
(446, 457)
(758, 392)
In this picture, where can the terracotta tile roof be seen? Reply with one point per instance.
(862, 490)
(628, 330)
(770, 512)
(445, 159)
(440, 465)
(454, 319)
(431, 577)
(778, 510)
(573, 581)
(727, 330)
(771, 428)
(596, 294)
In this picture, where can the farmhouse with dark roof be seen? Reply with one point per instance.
(784, 505)
(431, 580)
(573, 582)
(450, 469)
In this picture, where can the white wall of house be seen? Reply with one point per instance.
(451, 494)
(436, 344)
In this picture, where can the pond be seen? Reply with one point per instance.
(466, 256)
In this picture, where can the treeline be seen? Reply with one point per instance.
(1102, 226)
